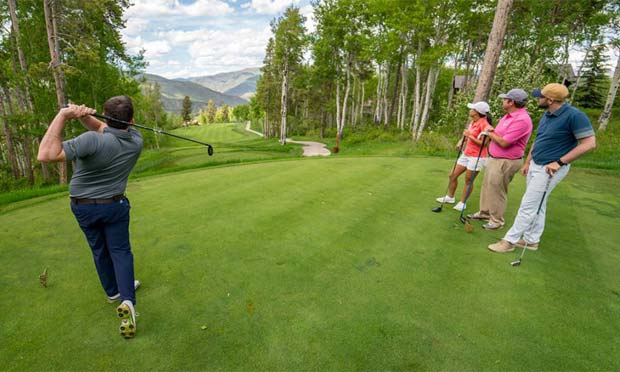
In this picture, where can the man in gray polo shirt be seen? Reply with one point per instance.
(104, 156)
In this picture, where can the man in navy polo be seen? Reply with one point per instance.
(104, 156)
(564, 134)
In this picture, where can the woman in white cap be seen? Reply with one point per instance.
(473, 158)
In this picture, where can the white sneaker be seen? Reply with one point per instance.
(116, 297)
(445, 199)
(127, 313)
(459, 206)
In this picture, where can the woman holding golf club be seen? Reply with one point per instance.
(474, 156)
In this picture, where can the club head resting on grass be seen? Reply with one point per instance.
(516, 263)
(437, 209)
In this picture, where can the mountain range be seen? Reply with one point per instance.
(237, 83)
(230, 88)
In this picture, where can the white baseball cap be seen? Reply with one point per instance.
(481, 107)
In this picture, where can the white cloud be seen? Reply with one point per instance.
(177, 37)
(156, 49)
(271, 6)
(135, 26)
(245, 47)
(308, 12)
(167, 8)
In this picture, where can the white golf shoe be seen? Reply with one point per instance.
(116, 297)
(459, 207)
(445, 199)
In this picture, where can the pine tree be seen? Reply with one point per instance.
(211, 111)
(592, 93)
(186, 110)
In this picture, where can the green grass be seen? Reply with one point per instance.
(322, 264)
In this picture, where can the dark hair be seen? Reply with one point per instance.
(489, 118)
(119, 107)
(520, 104)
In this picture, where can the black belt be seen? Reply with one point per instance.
(97, 201)
(495, 157)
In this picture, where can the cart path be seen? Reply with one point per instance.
(310, 148)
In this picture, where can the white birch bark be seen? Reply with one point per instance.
(603, 120)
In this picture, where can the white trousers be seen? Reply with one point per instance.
(526, 224)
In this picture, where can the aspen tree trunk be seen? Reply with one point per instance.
(8, 136)
(346, 98)
(395, 93)
(386, 86)
(50, 25)
(22, 94)
(361, 109)
(377, 115)
(603, 120)
(433, 74)
(283, 104)
(415, 109)
(493, 51)
(402, 103)
(583, 62)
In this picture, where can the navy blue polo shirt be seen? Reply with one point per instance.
(559, 132)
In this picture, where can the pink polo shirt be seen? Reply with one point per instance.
(515, 128)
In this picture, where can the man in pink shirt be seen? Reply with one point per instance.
(508, 141)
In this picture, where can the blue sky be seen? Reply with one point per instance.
(184, 38)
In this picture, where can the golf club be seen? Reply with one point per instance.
(438, 209)
(468, 226)
(158, 131)
(518, 262)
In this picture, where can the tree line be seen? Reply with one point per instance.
(53, 52)
(411, 65)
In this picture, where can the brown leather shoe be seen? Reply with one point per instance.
(502, 246)
(530, 246)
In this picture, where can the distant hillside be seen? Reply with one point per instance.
(173, 92)
(237, 83)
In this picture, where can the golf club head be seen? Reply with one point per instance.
(436, 209)
(516, 263)
(463, 220)
(210, 150)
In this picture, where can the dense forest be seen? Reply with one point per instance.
(404, 66)
(410, 66)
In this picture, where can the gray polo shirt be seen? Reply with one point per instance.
(104, 161)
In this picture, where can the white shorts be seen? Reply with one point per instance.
(469, 162)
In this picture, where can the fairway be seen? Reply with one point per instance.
(317, 264)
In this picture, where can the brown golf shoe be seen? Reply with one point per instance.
(502, 246)
(530, 246)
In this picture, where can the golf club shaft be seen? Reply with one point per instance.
(453, 167)
(158, 131)
(471, 181)
(542, 200)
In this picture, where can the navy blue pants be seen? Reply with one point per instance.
(106, 227)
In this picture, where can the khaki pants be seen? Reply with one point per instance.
(494, 192)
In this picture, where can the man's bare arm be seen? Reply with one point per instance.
(50, 149)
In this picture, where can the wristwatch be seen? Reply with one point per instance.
(560, 162)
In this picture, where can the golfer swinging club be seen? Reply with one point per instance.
(104, 156)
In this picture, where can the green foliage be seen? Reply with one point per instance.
(186, 110)
(222, 114)
(592, 93)
(242, 112)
